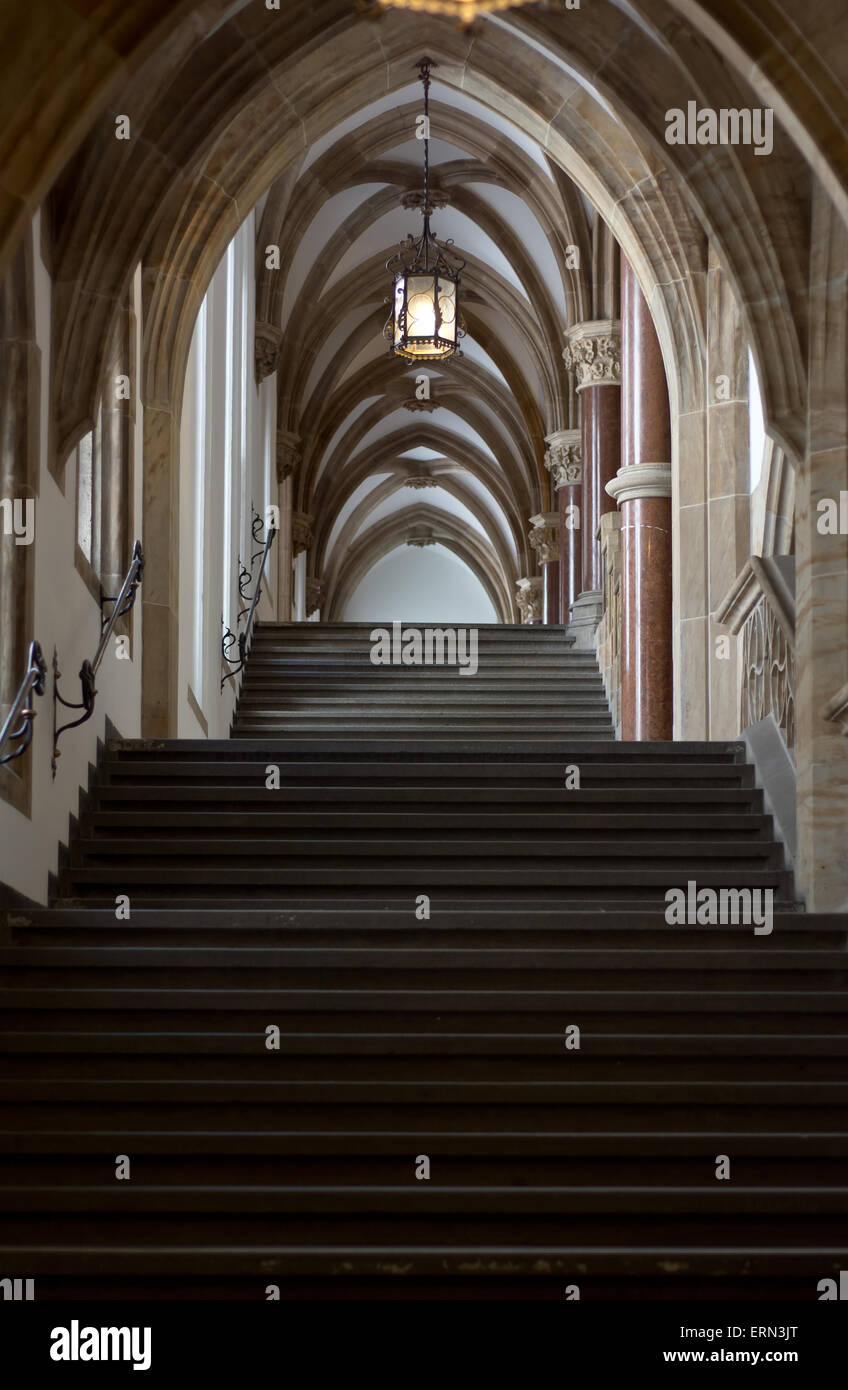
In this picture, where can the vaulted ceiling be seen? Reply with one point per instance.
(310, 110)
(381, 449)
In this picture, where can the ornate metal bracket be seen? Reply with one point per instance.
(122, 604)
(230, 638)
(126, 598)
(33, 683)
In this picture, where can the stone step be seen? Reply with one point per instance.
(433, 1068)
(443, 1267)
(789, 998)
(616, 958)
(403, 774)
(648, 1172)
(420, 1201)
(708, 804)
(447, 1036)
(728, 828)
(695, 758)
(518, 849)
(748, 1049)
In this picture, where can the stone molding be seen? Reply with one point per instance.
(302, 536)
(266, 349)
(288, 454)
(769, 577)
(544, 537)
(421, 481)
(529, 595)
(761, 606)
(836, 708)
(314, 596)
(593, 353)
(420, 537)
(638, 480)
(564, 458)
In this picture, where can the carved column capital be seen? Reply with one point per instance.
(301, 531)
(544, 537)
(593, 353)
(530, 597)
(266, 348)
(564, 458)
(288, 454)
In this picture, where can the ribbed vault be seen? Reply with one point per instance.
(536, 114)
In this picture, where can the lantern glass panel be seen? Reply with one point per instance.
(447, 309)
(400, 287)
(420, 311)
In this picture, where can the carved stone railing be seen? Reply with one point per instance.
(608, 635)
(761, 606)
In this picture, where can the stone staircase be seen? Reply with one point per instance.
(404, 1036)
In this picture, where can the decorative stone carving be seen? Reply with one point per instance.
(266, 348)
(544, 537)
(413, 201)
(428, 405)
(301, 531)
(768, 672)
(288, 454)
(423, 481)
(637, 480)
(564, 458)
(530, 596)
(761, 605)
(420, 538)
(314, 596)
(593, 353)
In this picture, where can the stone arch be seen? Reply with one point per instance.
(421, 521)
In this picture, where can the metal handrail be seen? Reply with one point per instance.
(229, 637)
(121, 605)
(33, 683)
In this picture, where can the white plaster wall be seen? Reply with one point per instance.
(66, 615)
(68, 618)
(428, 585)
(228, 428)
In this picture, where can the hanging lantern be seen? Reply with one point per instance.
(425, 324)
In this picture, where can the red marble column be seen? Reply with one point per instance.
(551, 613)
(642, 489)
(601, 422)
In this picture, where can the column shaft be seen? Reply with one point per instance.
(643, 487)
(601, 425)
(570, 549)
(551, 609)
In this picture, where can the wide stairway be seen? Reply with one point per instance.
(498, 1071)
